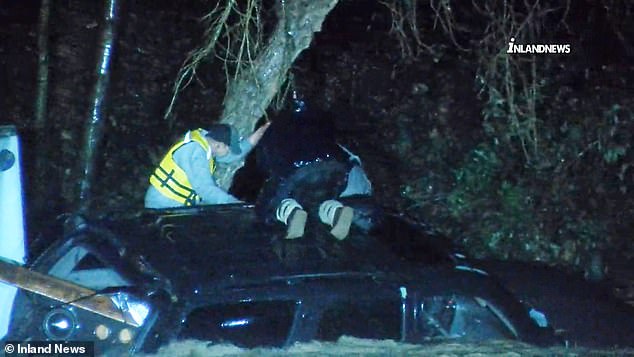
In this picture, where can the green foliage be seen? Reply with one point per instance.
(512, 201)
(473, 181)
(551, 183)
(613, 137)
(560, 210)
(612, 155)
(495, 213)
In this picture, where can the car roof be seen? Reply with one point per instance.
(228, 242)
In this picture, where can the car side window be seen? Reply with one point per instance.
(461, 317)
(79, 266)
(377, 319)
(244, 324)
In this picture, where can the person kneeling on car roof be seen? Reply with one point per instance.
(184, 176)
(307, 168)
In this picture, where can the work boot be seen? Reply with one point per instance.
(338, 216)
(291, 213)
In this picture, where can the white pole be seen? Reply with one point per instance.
(12, 245)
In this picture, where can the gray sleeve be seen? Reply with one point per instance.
(358, 183)
(193, 159)
(245, 149)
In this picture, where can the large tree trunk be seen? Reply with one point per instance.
(249, 96)
(95, 121)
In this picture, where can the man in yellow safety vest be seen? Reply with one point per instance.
(184, 176)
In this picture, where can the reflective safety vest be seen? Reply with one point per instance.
(171, 180)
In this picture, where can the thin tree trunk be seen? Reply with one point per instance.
(249, 96)
(42, 66)
(95, 122)
(40, 110)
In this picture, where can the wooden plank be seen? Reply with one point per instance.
(60, 290)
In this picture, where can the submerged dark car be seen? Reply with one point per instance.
(216, 274)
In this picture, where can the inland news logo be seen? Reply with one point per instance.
(513, 48)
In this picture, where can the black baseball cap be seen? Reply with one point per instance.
(225, 134)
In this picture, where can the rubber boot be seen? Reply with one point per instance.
(291, 213)
(338, 216)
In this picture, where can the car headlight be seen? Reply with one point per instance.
(59, 324)
(133, 309)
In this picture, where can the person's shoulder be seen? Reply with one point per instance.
(189, 150)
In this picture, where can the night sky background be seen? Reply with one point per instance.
(437, 140)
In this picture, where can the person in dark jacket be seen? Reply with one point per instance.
(307, 172)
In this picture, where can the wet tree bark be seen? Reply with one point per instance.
(41, 97)
(42, 66)
(95, 122)
(249, 96)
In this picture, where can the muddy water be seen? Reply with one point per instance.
(348, 346)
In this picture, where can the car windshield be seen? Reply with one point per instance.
(80, 266)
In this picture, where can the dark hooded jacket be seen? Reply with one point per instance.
(298, 139)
